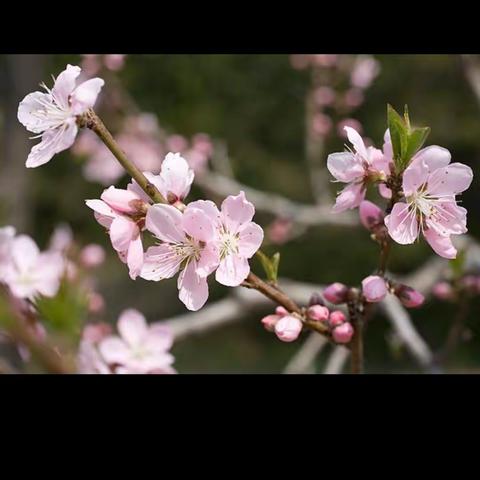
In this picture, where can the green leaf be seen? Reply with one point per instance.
(270, 265)
(416, 140)
(398, 135)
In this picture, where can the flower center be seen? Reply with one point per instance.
(228, 243)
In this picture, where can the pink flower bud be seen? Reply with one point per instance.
(370, 215)
(343, 333)
(94, 333)
(374, 288)
(270, 321)
(337, 318)
(279, 230)
(114, 62)
(321, 124)
(288, 328)
(348, 122)
(336, 293)
(409, 297)
(443, 291)
(96, 303)
(281, 311)
(92, 255)
(353, 98)
(319, 313)
(176, 143)
(119, 199)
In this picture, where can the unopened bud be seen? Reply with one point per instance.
(343, 333)
(443, 291)
(336, 293)
(374, 288)
(337, 318)
(316, 299)
(409, 297)
(371, 216)
(270, 321)
(318, 313)
(288, 328)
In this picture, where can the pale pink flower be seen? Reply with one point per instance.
(343, 333)
(176, 143)
(280, 230)
(237, 237)
(113, 212)
(443, 290)
(61, 239)
(355, 168)
(176, 178)
(53, 115)
(31, 273)
(187, 247)
(92, 255)
(324, 96)
(145, 152)
(374, 288)
(353, 97)
(114, 62)
(139, 348)
(288, 328)
(7, 235)
(321, 124)
(430, 184)
(89, 359)
(364, 72)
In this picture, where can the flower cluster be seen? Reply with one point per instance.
(138, 348)
(194, 240)
(427, 202)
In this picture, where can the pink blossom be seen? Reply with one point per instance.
(177, 143)
(279, 231)
(237, 238)
(175, 178)
(364, 72)
(355, 168)
(337, 318)
(430, 184)
(139, 348)
(7, 235)
(374, 288)
(187, 247)
(343, 333)
(353, 97)
(62, 239)
(103, 167)
(336, 293)
(96, 302)
(31, 273)
(92, 255)
(319, 313)
(443, 290)
(348, 122)
(89, 360)
(113, 212)
(370, 215)
(288, 328)
(324, 96)
(53, 115)
(321, 124)
(270, 321)
(409, 297)
(114, 62)
(282, 311)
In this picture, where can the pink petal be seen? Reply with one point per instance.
(177, 176)
(449, 218)
(49, 269)
(102, 208)
(250, 239)
(441, 245)
(85, 95)
(132, 327)
(53, 142)
(165, 222)
(209, 208)
(193, 290)
(433, 156)
(119, 199)
(232, 271)
(402, 224)
(29, 106)
(24, 253)
(345, 166)
(357, 142)
(378, 161)
(387, 145)
(114, 350)
(209, 260)
(414, 176)
(160, 337)
(450, 180)
(350, 197)
(122, 232)
(384, 191)
(236, 211)
(65, 84)
(197, 224)
(160, 262)
(135, 257)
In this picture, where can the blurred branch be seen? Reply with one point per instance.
(303, 360)
(336, 361)
(471, 67)
(310, 215)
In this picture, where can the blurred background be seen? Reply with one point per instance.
(267, 122)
